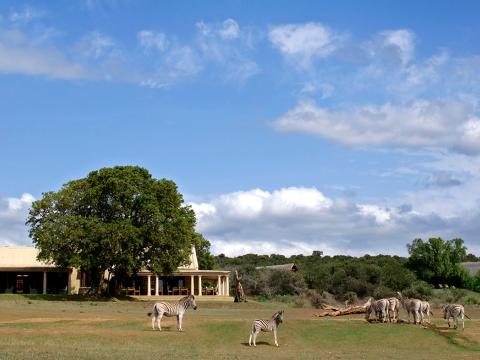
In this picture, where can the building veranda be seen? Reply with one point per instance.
(22, 273)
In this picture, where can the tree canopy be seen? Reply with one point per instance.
(438, 261)
(118, 219)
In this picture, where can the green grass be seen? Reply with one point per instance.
(38, 329)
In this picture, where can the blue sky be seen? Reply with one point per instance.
(349, 127)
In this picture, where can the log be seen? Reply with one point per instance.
(335, 311)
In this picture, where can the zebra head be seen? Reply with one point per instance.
(192, 302)
(278, 317)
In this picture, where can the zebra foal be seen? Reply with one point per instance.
(172, 309)
(266, 326)
(454, 311)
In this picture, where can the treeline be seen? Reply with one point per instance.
(430, 264)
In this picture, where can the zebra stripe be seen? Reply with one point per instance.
(380, 307)
(393, 309)
(425, 310)
(454, 311)
(266, 326)
(172, 309)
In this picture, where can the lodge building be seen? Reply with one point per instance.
(22, 273)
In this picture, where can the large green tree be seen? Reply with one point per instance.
(118, 219)
(438, 261)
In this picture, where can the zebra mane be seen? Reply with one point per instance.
(277, 316)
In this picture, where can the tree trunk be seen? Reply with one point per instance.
(335, 311)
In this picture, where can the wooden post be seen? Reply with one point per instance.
(44, 282)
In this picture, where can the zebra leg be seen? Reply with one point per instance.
(250, 339)
(159, 319)
(255, 338)
(275, 337)
(154, 318)
(179, 322)
(463, 323)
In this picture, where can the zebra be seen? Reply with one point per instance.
(267, 326)
(393, 309)
(380, 307)
(425, 310)
(454, 311)
(412, 306)
(172, 309)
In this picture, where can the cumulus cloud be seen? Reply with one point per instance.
(395, 44)
(304, 43)
(13, 213)
(299, 220)
(447, 124)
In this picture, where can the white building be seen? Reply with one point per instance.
(22, 273)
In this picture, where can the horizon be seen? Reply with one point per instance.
(347, 128)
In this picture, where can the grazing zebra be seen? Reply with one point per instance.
(412, 306)
(393, 309)
(380, 307)
(267, 326)
(172, 309)
(425, 310)
(454, 311)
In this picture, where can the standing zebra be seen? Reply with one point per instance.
(454, 311)
(412, 306)
(172, 309)
(393, 309)
(267, 326)
(380, 307)
(425, 310)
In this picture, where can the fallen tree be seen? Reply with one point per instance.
(331, 310)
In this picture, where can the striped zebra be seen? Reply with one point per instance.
(454, 311)
(426, 311)
(172, 309)
(393, 309)
(380, 307)
(412, 306)
(267, 326)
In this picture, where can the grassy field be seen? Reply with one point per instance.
(59, 329)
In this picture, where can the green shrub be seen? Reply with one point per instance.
(457, 294)
(351, 297)
(419, 290)
(382, 292)
(315, 298)
(471, 300)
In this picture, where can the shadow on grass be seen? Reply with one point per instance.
(65, 297)
(258, 343)
(455, 337)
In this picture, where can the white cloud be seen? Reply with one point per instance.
(13, 213)
(300, 220)
(229, 30)
(447, 124)
(150, 40)
(304, 43)
(96, 45)
(25, 15)
(401, 42)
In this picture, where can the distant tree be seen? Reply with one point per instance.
(118, 219)
(470, 257)
(437, 261)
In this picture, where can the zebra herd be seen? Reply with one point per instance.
(385, 310)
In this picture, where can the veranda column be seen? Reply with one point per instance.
(192, 285)
(44, 282)
(199, 285)
(224, 287)
(156, 285)
(219, 287)
(149, 285)
(227, 290)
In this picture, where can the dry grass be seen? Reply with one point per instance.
(38, 329)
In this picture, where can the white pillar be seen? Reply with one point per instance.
(224, 285)
(219, 286)
(192, 285)
(44, 282)
(149, 285)
(227, 292)
(199, 285)
(156, 285)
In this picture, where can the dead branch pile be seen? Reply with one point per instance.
(331, 310)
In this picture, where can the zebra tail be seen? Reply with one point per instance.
(467, 316)
(154, 311)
